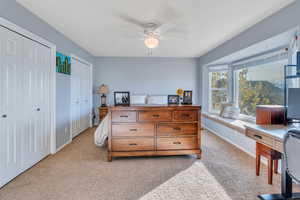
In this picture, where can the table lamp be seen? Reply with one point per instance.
(103, 89)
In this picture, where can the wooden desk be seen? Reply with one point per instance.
(272, 136)
(269, 135)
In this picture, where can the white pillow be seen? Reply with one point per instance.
(230, 111)
(138, 99)
(157, 99)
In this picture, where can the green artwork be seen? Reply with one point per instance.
(63, 63)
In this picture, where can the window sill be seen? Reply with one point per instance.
(235, 124)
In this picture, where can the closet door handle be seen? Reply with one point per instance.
(4, 116)
(38, 109)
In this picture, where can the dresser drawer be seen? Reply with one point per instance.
(176, 129)
(185, 115)
(132, 130)
(155, 116)
(260, 138)
(177, 143)
(123, 116)
(135, 144)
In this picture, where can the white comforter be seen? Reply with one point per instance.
(101, 133)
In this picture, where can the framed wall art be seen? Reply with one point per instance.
(63, 63)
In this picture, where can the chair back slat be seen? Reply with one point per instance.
(292, 154)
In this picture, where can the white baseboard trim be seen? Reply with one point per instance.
(263, 160)
(63, 146)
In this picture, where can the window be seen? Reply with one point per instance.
(248, 82)
(259, 85)
(218, 89)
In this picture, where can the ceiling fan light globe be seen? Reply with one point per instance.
(151, 42)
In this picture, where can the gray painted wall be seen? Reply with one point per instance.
(279, 22)
(15, 13)
(154, 76)
(63, 99)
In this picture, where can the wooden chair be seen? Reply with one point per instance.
(272, 156)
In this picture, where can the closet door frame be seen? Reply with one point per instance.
(23, 32)
(91, 89)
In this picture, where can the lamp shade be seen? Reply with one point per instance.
(103, 89)
(151, 42)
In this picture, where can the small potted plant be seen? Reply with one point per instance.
(179, 92)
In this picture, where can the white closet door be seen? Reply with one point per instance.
(24, 104)
(30, 84)
(36, 85)
(75, 93)
(44, 62)
(11, 102)
(85, 95)
(81, 94)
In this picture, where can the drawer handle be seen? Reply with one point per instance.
(4, 116)
(176, 142)
(185, 115)
(134, 129)
(155, 116)
(177, 128)
(133, 144)
(258, 136)
(124, 116)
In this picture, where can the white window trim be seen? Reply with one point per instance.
(210, 89)
(236, 90)
(232, 80)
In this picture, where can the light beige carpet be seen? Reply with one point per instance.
(195, 183)
(80, 171)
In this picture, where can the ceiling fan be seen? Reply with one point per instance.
(153, 31)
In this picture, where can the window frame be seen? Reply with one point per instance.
(275, 55)
(210, 89)
(236, 85)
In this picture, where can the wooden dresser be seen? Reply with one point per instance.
(102, 113)
(149, 130)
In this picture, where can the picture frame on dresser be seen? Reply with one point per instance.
(187, 97)
(122, 98)
(173, 99)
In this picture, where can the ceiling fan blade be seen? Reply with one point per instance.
(168, 14)
(170, 19)
(165, 27)
(133, 36)
(131, 20)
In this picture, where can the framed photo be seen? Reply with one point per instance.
(122, 98)
(187, 97)
(173, 99)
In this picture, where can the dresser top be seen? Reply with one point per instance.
(156, 107)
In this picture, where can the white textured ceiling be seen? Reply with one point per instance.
(202, 25)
